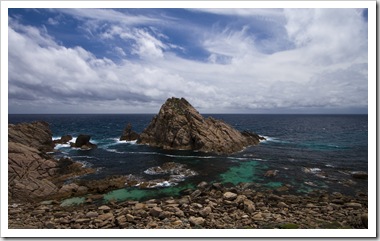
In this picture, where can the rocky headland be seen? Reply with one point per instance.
(179, 126)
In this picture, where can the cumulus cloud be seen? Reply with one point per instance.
(325, 67)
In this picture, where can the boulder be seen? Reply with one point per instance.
(155, 211)
(229, 196)
(196, 221)
(83, 142)
(129, 134)
(179, 126)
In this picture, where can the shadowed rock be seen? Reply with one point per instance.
(83, 142)
(64, 139)
(129, 134)
(179, 126)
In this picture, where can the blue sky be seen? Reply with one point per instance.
(221, 60)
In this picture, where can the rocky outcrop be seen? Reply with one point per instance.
(178, 125)
(36, 134)
(83, 142)
(32, 174)
(28, 172)
(129, 134)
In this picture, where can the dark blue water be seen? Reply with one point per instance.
(309, 151)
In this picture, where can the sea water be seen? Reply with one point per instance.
(310, 152)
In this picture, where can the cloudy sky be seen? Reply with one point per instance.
(220, 60)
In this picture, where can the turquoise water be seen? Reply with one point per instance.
(143, 194)
(245, 172)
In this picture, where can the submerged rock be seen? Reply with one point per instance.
(271, 173)
(179, 126)
(174, 173)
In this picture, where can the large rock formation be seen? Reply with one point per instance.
(179, 126)
(32, 174)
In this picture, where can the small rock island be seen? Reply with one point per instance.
(179, 126)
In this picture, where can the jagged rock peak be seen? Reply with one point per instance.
(178, 125)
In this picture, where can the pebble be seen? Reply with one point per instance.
(92, 214)
(353, 205)
(211, 206)
(197, 221)
(104, 208)
(229, 196)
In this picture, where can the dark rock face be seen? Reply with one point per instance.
(178, 125)
(83, 142)
(64, 139)
(129, 134)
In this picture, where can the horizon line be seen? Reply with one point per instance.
(200, 113)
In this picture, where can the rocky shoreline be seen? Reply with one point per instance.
(209, 206)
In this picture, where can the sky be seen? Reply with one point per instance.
(249, 60)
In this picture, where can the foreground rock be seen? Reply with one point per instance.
(178, 126)
(36, 134)
(212, 206)
(33, 174)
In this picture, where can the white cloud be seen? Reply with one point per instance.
(329, 36)
(327, 67)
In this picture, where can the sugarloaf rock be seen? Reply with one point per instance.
(179, 126)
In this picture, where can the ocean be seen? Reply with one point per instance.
(309, 152)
